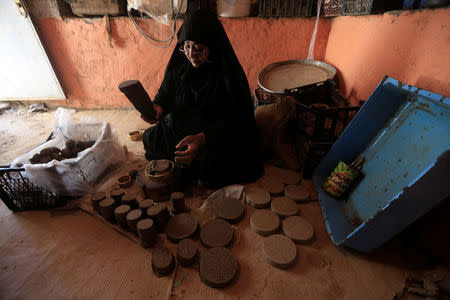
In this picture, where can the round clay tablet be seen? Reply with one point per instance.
(298, 229)
(257, 197)
(229, 209)
(290, 177)
(283, 207)
(275, 188)
(145, 204)
(298, 193)
(218, 267)
(216, 233)
(121, 215)
(187, 252)
(264, 222)
(107, 207)
(279, 251)
(181, 226)
(162, 261)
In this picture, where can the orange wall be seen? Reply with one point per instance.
(413, 47)
(90, 71)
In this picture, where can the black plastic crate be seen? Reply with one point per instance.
(357, 7)
(287, 8)
(19, 193)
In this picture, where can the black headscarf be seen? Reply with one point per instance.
(202, 27)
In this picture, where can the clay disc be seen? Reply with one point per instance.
(279, 251)
(274, 187)
(117, 193)
(145, 204)
(187, 252)
(298, 229)
(264, 222)
(218, 267)
(258, 198)
(283, 207)
(229, 209)
(216, 233)
(289, 177)
(156, 209)
(134, 215)
(181, 226)
(98, 196)
(298, 193)
(162, 261)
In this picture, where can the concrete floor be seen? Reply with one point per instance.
(70, 254)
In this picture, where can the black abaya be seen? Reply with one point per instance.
(214, 99)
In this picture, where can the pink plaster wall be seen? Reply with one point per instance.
(413, 47)
(90, 71)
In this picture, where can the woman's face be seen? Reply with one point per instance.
(196, 53)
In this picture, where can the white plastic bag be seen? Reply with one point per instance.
(160, 10)
(75, 176)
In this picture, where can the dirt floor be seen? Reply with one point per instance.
(71, 254)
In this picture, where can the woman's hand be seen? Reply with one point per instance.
(193, 143)
(159, 111)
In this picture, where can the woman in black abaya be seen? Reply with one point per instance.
(205, 116)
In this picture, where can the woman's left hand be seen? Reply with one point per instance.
(193, 143)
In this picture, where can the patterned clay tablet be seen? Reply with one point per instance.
(218, 267)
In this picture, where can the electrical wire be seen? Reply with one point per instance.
(150, 39)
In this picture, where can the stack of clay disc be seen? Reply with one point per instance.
(187, 252)
(95, 200)
(121, 213)
(133, 217)
(279, 251)
(274, 187)
(162, 261)
(159, 214)
(145, 204)
(147, 232)
(216, 233)
(107, 207)
(283, 207)
(177, 202)
(117, 195)
(218, 267)
(229, 209)
(181, 226)
(298, 229)
(264, 222)
(257, 197)
(298, 193)
(130, 199)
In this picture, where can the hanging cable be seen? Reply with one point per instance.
(150, 39)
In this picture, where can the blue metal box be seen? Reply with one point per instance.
(404, 134)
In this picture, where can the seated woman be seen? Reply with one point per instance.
(205, 117)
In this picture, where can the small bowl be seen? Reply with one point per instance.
(135, 135)
(124, 181)
(159, 177)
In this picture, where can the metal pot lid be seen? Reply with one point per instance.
(277, 77)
